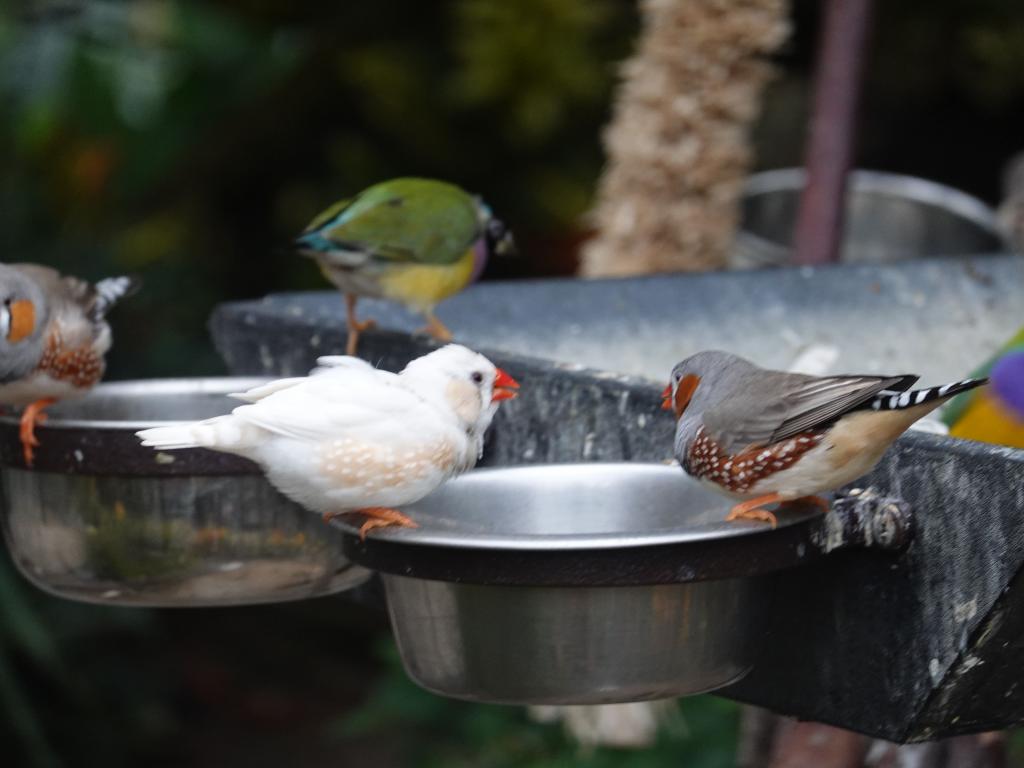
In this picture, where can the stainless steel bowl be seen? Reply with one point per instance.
(574, 645)
(889, 217)
(103, 519)
(579, 584)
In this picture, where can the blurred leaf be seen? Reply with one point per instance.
(997, 54)
(22, 629)
(535, 59)
(19, 713)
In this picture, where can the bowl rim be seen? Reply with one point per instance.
(716, 550)
(426, 537)
(110, 447)
(213, 385)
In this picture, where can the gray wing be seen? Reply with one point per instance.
(81, 305)
(69, 303)
(781, 405)
(59, 289)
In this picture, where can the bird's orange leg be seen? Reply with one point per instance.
(32, 415)
(818, 501)
(355, 327)
(378, 517)
(751, 510)
(435, 328)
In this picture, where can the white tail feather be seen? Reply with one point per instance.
(225, 433)
(110, 291)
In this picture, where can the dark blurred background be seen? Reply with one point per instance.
(189, 142)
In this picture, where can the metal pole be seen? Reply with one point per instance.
(819, 224)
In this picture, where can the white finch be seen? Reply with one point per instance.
(351, 438)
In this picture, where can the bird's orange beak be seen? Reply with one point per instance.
(666, 398)
(505, 387)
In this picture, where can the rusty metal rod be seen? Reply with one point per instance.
(819, 224)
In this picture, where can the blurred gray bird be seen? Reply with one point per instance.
(769, 436)
(53, 338)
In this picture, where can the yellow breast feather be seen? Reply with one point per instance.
(421, 286)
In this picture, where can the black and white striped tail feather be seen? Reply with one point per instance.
(111, 290)
(892, 400)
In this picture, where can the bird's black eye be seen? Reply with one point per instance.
(477, 377)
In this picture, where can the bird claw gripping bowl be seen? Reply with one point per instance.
(104, 519)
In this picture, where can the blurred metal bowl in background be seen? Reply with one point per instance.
(889, 217)
(101, 518)
(579, 584)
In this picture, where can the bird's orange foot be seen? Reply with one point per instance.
(355, 327)
(354, 330)
(378, 517)
(32, 415)
(436, 328)
(364, 325)
(752, 510)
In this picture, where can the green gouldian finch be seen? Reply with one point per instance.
(995, 415)
(414, 241)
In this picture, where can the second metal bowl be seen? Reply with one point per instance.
(102, 518)
(888, 217)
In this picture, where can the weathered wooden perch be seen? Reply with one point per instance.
(907, 647)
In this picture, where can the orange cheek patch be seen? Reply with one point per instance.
(684, 391)
(23, 320)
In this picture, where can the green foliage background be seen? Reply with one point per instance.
(188, 142)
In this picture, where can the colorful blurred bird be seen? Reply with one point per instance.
(351, 438)
(414, 241)
(770, 436)
(53, 338)
(994, 415)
